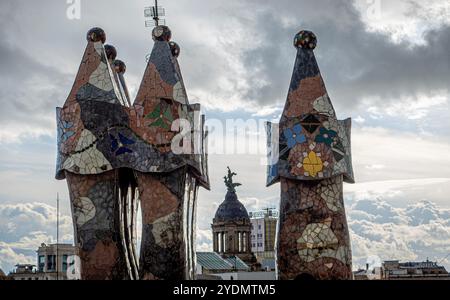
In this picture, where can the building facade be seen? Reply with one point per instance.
(427, 270)
(54, 262)
(264, 227)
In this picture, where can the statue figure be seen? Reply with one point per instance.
(231, 186)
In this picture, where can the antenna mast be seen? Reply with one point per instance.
(57, 235)
(154, 12)
(156, 16)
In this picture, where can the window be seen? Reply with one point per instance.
(64, 263)
(41, 263)
(51, 263)
(72, 263)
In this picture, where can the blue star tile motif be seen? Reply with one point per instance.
(120, 146)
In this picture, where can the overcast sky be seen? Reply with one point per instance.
(385, 63)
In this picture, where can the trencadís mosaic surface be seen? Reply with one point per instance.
(98, 132)
(310, 155)
(115, 155)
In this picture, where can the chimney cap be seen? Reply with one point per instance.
(111, 52)
(161, 33)
(305, 40)
(96, 34)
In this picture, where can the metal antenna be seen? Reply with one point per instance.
(154, 12)
(57, 235)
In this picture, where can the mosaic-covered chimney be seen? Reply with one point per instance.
(115, 155)
(310, 156)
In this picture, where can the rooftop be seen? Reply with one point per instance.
(268, 263)
(237, 263)
(265, 213)
(213, 261)
(416, 265)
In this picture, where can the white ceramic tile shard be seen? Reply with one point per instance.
(86, 140)
(101, 79)
(98, 46)
(323, 106)
(331, 124)
(331, 194)
(320, 235)
(83, 210)
(163, 232)
(179, 93)
(318, 228)
(90, 160)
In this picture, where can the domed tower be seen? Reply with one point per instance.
(231, 225)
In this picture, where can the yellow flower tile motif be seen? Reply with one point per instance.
(312, 164)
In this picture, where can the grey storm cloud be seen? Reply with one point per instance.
(40, 50)
(20, 93)
(29, 89)
(354, 62)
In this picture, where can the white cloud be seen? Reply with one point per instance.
(9, 258)
(406, 107)
(376, 167)
(382, 187)
(204, 240)
(417, 232)
(378, 228)
(23, 227)
(267, 111)
(360, 120)
(404, 19)
(399, 219)
(405, 155)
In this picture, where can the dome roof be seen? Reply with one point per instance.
(231, 209)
